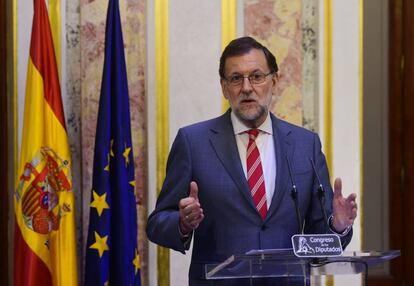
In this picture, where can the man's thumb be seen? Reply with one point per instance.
(338, 187)
(194, 190)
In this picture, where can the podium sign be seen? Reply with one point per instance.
(316, 245)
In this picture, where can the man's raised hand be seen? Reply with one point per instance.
(191, 213)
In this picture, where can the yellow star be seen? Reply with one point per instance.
(136, 261)
(100, 244)
(107, 166)
(111, 151)
(132, 183)
(126, 155)
(99, 202)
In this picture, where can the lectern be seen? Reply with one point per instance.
(284, 263)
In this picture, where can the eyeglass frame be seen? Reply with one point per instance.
(249, 78)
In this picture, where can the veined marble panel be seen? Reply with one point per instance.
(277, 24)
(310, 56)
(72, 87)
(288, 29)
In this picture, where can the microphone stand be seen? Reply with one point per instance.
(294, 195)
(321, 194)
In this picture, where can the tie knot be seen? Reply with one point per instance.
(253, 133)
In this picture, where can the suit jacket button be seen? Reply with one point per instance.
(264, 227)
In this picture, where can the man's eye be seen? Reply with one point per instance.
(256, 76)
(236, 78)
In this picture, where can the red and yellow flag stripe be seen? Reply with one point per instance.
(45, 244)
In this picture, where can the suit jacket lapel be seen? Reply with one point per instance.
(284, 150)
(224, 143)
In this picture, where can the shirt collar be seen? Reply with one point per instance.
(240, 128)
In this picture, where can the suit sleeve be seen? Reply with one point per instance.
(315, 221)
(163, 223)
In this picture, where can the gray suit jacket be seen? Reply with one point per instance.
(207, 153)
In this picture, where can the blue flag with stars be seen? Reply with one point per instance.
(111, 251)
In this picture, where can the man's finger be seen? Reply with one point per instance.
(351, 198)
(338, 187)
(185, 202)
(194, 190)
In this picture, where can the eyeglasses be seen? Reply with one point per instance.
(254, 78)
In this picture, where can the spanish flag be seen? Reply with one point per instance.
(45, 244)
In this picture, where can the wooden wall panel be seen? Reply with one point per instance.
(407, 191)
(401, 138)
(395, 131)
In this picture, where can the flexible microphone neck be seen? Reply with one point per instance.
(294, 195)
(321, 194)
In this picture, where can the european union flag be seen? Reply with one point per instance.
(111, 251)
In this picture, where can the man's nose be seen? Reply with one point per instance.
(246, 85)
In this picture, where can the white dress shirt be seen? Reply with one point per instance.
(266, 146)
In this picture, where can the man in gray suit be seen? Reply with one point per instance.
(229, 179)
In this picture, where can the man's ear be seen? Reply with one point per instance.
(275, 80)
(223, 88)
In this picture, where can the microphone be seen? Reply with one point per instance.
(294, 195)
(313, 245)
(321, 193)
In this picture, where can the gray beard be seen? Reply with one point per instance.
(251, 120)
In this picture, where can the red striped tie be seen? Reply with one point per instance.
(255, 176)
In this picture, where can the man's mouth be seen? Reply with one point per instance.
(248, 101)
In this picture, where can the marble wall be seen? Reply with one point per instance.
(288, 29)
(72, 87)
